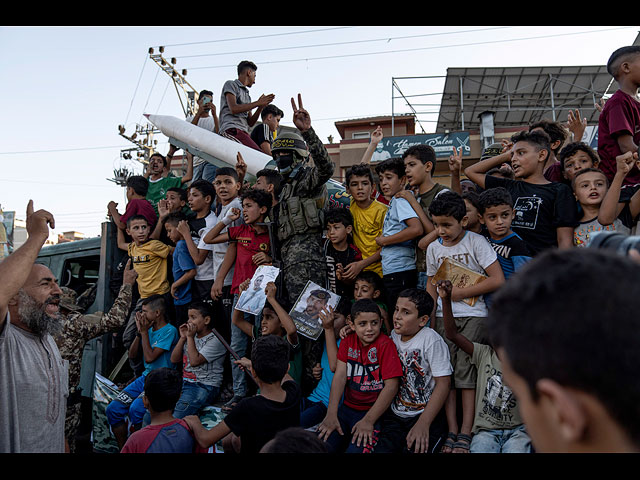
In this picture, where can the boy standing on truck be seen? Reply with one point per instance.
(149, 258)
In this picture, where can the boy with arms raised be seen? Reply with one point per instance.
(448, 212)
(249, 248)
(546, 212)
(368, 219)
(202, 356)
(402, 226)
(497, 426)
(137, 204)
(569, 397)
(174, 202)
(256, 420)
(426, 379)
(155, 339)
(601, 206)
(274, 320)
(368, 373)
(149, 259)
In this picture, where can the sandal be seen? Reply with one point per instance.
(449, 443)
(462, 443)
(227, 407)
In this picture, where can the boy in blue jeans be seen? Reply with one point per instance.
(368, 373)
(156, 338)
(497, 426)
(401, 228)
(202, 355)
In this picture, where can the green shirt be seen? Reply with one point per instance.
(496, 406)
(158, 189)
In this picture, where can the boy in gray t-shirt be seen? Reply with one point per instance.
(202, 355)
(497, 426)
(236, 116)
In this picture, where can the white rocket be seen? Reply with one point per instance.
(211, 143)
(216, 148)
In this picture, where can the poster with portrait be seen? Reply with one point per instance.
(306, 311)
(252, 299)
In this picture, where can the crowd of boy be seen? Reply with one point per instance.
(412, 357)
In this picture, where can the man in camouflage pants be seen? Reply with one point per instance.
(78, 329)
(299, 219)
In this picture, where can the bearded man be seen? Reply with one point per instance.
(33, 375)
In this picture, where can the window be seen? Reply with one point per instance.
(357, 135)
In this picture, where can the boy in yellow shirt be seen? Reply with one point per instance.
(149, 259)
(368, 219)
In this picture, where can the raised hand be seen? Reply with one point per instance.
(376, 135)
(444, 287)
(575, 125)
(455, 161)
(625, 162)
(301, 118)
(39, 222)
(129, 275)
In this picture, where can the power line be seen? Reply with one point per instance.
(421, 48)
(62, 150)
(387, 39)
(53, 183)
(255, 36)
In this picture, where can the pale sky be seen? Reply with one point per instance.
(65, 90)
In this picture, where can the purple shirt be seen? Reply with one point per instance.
(620, 116)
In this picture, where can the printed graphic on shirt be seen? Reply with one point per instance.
(527, 210)
(413, 394)
(498, 400)
(364, 378)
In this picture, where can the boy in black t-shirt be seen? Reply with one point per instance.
(545, 212)
(255, 420)
(339, 250)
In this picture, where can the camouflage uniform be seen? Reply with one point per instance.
(79, 329)
(301, 253)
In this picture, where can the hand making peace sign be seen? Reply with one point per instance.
(301, 118)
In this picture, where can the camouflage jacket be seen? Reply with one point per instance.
(309, 183)
(80, 328)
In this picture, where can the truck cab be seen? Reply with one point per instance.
(89, 267)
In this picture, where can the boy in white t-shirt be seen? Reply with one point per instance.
(449, 216)
(425, 381)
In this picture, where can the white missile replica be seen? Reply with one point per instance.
(204, 141)
(223, 152)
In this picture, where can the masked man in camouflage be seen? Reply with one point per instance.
(77, 330)
(299, 219)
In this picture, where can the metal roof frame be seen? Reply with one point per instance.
(520, 95)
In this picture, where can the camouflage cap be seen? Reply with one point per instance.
(68, 299)
(492, 150)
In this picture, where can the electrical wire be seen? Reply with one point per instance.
(387, 39)
(256, 36)
(350, 55)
